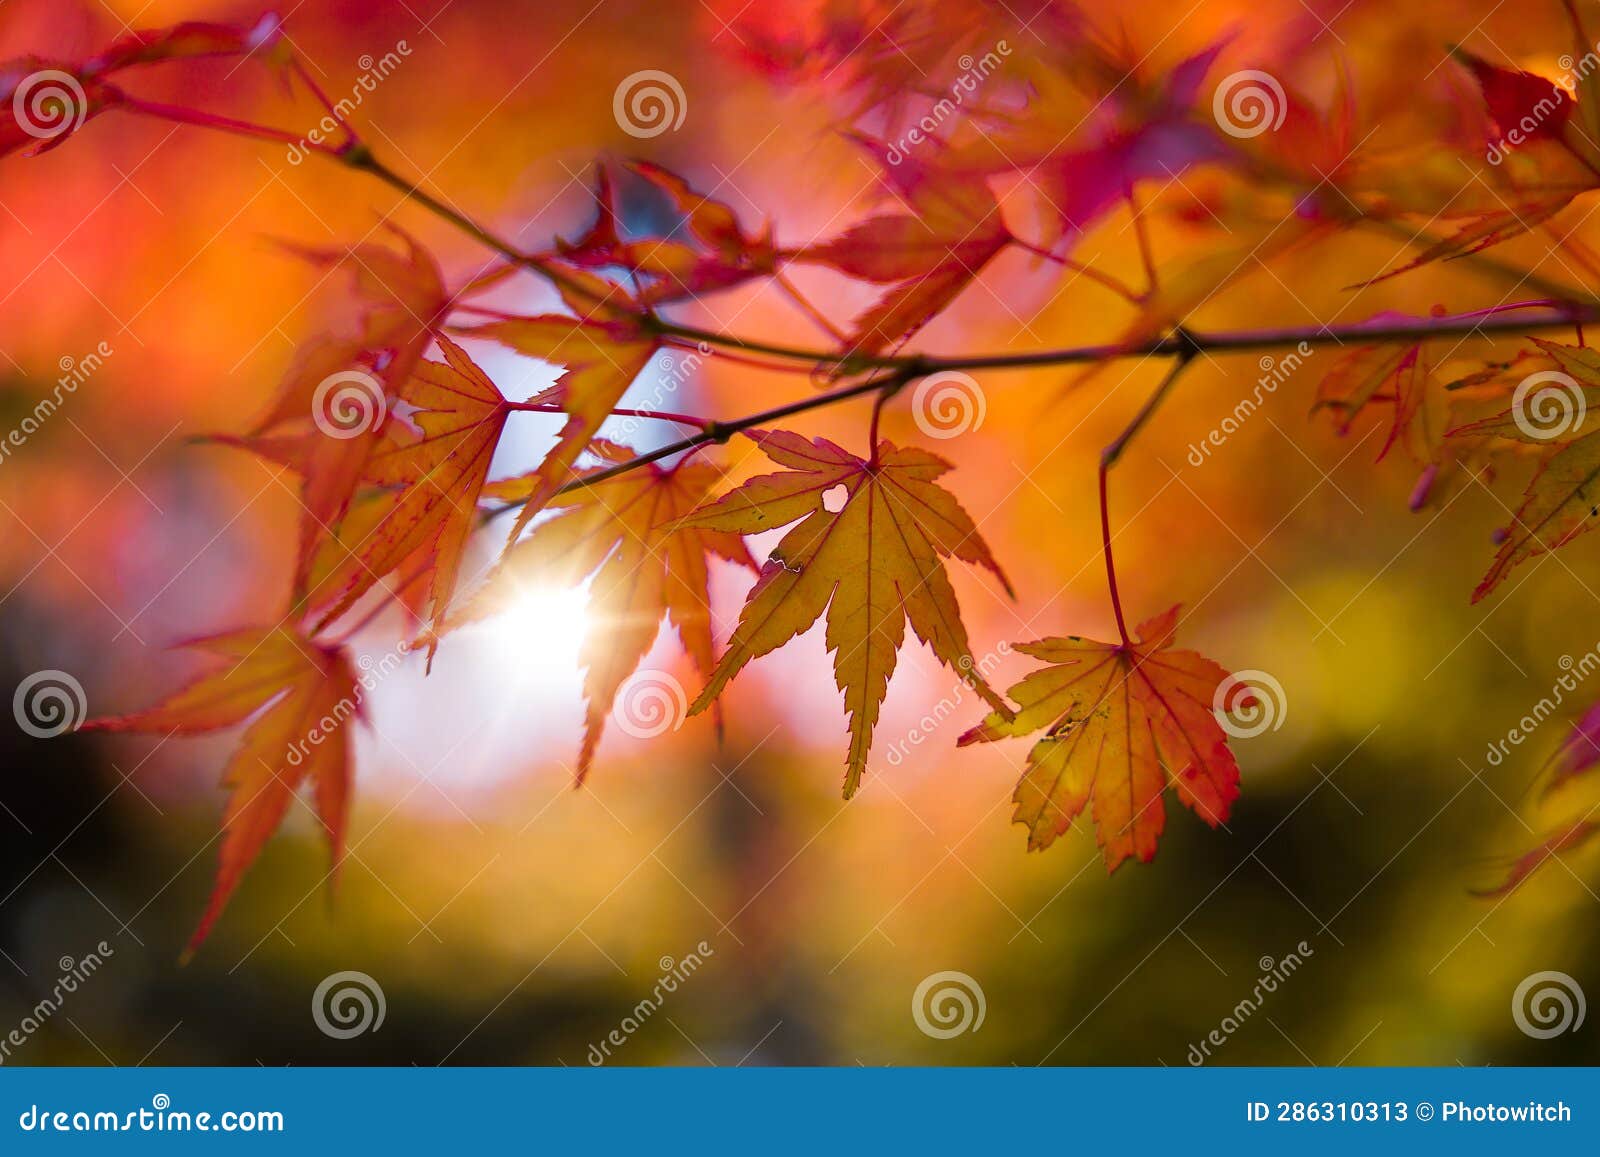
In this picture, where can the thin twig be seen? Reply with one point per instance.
(723, 431)
(1108, 459)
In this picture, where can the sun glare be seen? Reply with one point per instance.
(538, 638)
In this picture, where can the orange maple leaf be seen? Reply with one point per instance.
(332, 408)
(869, 549)
(437, 473)
(1564, 492)
(930, 255)
(1125, 722)
(624, 531)
(602, 358)
(718, 254)
(300, 695)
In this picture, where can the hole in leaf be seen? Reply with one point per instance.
(833, 500)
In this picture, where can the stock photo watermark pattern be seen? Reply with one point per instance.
(1574, 673)
(1249, 103)
(948, 1004)
(1547, 1004)
(348, 1004)
(962, 91)
(948, 405)
(1275, 973)
(49, 104)
(374, 71)
(648, 103)
(49, 703)
(348, 404)
(74, 973)
(1548, 405)
(1275, 371)
(675, 973)
(75, 372)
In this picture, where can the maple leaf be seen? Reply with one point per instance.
(1535, 106)
(191, 40)
(869, 549)
(727, 255)
(1125, 722)
(1539, 159)
(1146, 129)
(1563, 496)
(931, 254)
(881, 49)
(1425, 415)
(1483, 229)
(1567, 839)
(332, 408)
(1579, 753)
(43, 102)
(601, 357)
(1395, 374)
(339, 564)
(1563, 384)
(665, 269)
(299, 695)
(438, 473)
(625, 532)
(1576, 758)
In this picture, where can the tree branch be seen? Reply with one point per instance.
(1185, 345)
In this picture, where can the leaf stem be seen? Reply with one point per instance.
(1486, 262)
(205, 120)
(1108, 459)
(817, 318)
(1146, 252)
(298, 65)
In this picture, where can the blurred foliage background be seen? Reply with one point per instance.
(511, 919)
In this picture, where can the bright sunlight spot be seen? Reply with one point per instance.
(537, 639)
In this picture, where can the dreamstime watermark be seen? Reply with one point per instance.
(74, 373)
(1574, 673)
(947, 1004)
(936, 716)
(373, 73)
(1562, 92)
(672, 374)
(650, 703)
(673, 974)
(347, 1004)
(49, 103)
(1548, 404)
(160, 1117)
(648, 103)
(49, 703)
(1547, 1004)
(73, 974)
(1250, 703)
(347, 404)
(1273, 974)
(371, 672)
(1248, 103)
(948, 404)
(974, 71)
(1274, 372)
